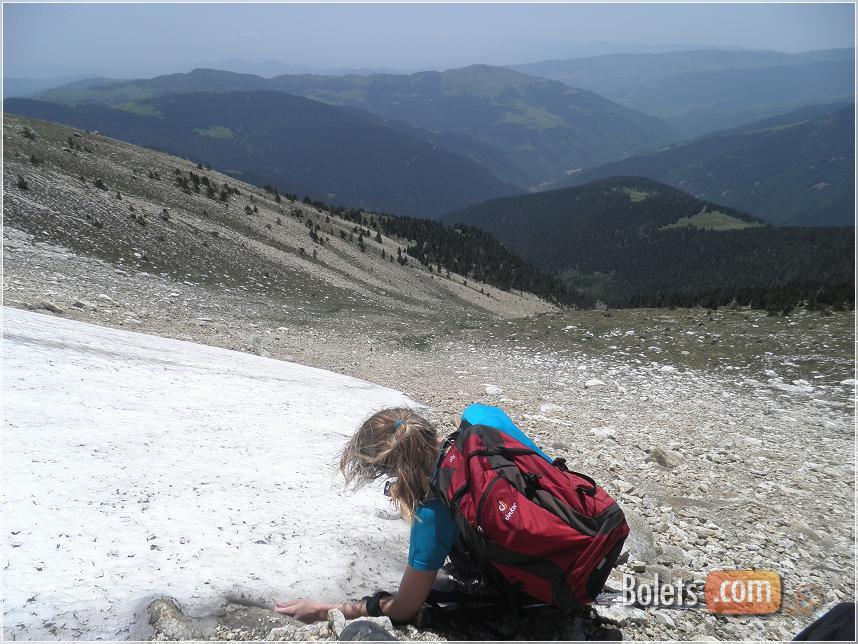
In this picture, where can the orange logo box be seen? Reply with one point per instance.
(743, 592)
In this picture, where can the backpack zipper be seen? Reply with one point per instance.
(483, 499)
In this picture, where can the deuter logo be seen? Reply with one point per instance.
(511, 511)
(501, 506)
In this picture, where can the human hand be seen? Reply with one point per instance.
(305, 610)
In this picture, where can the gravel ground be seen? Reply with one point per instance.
(755, 414)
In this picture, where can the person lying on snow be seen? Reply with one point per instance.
(490, 499)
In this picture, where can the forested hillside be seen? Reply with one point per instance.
(795, 169)
(632, 241)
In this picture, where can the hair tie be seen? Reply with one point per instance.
(397, 423)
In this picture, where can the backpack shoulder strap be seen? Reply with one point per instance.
(442, 451)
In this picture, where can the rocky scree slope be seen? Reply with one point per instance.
(140, 210)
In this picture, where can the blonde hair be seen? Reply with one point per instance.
(394, 442)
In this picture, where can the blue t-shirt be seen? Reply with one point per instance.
(434, 531)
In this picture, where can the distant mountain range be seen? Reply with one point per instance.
(294, 144)
(702, 91)
(795, 169)
(526, 130)
(632, 241)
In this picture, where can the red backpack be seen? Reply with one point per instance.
(551, 533)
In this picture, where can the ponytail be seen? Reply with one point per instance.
(394, 442)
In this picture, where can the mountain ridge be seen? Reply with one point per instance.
(792, 169)
(293, 143)
(542, 127)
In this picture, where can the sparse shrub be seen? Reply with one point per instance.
(342, 234)
(255, 209)
(98, 223)
(165, 214)
(98, 183)
(131, 207)
(224, 195)
(28, 133)
(315, 254)
(301, 250)
(22, 183)
(199, 166)
(268, 226)
(277, 198)
(248, 210)
(378, 237)
(279, 221)
(118, 195)
(35, 160)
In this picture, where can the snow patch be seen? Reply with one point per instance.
(137, 466)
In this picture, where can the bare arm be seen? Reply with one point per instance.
(413, 591)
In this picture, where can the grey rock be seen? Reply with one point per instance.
(47, 305)
(624, 487)
(249, 621)
(663, 618)
(664, 457)
(336, 621)
(640, 543)
(258, 349)
(670, 554)
(619, 614)
(168, 620)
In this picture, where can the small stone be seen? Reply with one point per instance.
(47, 305)
(167, 619)
(624, 487)
(336, 621)
(638, 566)
(667, 369)
(603, 432)
(593, 382)
(849, 382)
(664, 457)
(84, 304)
(549, 408)
(493, 390)
(619, 614)
(663, 618)
(258, 349)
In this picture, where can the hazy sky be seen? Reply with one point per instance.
(146, 39)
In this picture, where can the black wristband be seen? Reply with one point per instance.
(373, 605)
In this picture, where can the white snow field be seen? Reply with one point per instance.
(136, 466)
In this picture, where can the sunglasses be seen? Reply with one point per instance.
(388, 486)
